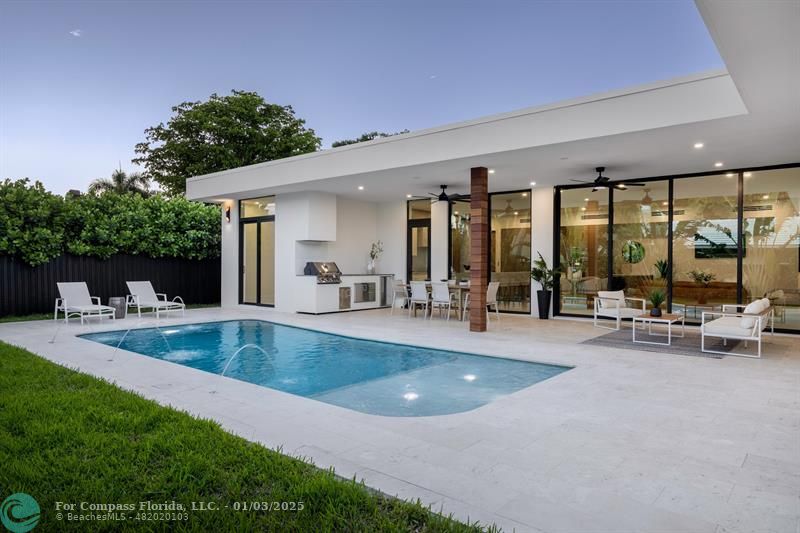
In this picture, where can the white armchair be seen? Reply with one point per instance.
(614, 304)
(746, 325)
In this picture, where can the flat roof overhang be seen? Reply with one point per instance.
(748, 117)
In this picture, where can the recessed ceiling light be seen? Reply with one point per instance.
(583, 209)
(516, 212)
(718, 164)
(360, 187)
(698, 145)
(765, 197)
(491, 171)
(748, 174)
(408, 196)
(533, 184)
(730, 175)
(456, 212)
(664, 203)
(524, 194)
(585, 199)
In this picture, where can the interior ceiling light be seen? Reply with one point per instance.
(729, 175)
(748, 174)
(765, 197)
(533, 184)
(718, 164)
(491, 171)
(698, 145)
(360, 187)
(408, 196)
(524, 194)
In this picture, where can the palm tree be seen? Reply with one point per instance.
(121, 183)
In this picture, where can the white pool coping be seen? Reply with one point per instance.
(628, 440)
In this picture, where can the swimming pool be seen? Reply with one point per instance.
(372, 377)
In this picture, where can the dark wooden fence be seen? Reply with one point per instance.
(25, 289)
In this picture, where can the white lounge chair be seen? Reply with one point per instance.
(76, 301)
(143, 296)
(746, 325)
(613, 304)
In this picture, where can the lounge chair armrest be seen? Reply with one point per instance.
(178, 299)
(598, 299)
(95, 299)
(735, 307)
(162, 296)
(642, 300)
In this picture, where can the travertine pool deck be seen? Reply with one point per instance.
(626, 441)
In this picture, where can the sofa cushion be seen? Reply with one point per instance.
(727, 325)
(608, 304)
(753, 308)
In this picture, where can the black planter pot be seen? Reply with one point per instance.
(656, 311)
(544, 303)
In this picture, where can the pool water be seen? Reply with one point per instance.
(372, 377)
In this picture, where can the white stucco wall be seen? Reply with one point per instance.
(230, 256)
(392, 232)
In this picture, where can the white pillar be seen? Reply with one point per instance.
(541, 235)
(440, 227)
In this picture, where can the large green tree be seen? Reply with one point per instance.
(221, 133)
(121, 183)
(366, 137)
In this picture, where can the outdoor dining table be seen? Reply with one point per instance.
(458, 288)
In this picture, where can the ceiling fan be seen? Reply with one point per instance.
(443, 196)
(604, 182)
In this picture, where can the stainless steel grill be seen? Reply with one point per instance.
(325, 271)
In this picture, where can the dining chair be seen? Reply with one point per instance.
(400, 291)
(419, 295)
(441, 298)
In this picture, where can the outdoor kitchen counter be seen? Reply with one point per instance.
(355, 292)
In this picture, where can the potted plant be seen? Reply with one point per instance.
(656, 298)
(704, 278)
(662, 267)
(374, 253)
(544, 276)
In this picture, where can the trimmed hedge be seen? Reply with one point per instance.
(37, 226)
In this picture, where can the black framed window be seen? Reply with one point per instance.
(706, 239)
(418, 245)
(257, 251)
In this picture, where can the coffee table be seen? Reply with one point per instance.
(667, 319)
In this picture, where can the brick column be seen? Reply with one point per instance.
(479, 247)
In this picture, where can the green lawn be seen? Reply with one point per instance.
(69, 437)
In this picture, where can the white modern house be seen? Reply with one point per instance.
(704, 170)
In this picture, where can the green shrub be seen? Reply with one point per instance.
(31, 222)
(37, 226)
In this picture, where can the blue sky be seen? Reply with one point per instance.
(73, 105)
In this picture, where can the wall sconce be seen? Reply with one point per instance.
(228, 214)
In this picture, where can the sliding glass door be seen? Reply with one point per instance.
(257, 252)
(705, 241)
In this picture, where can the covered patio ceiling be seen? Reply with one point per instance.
(748, 116)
